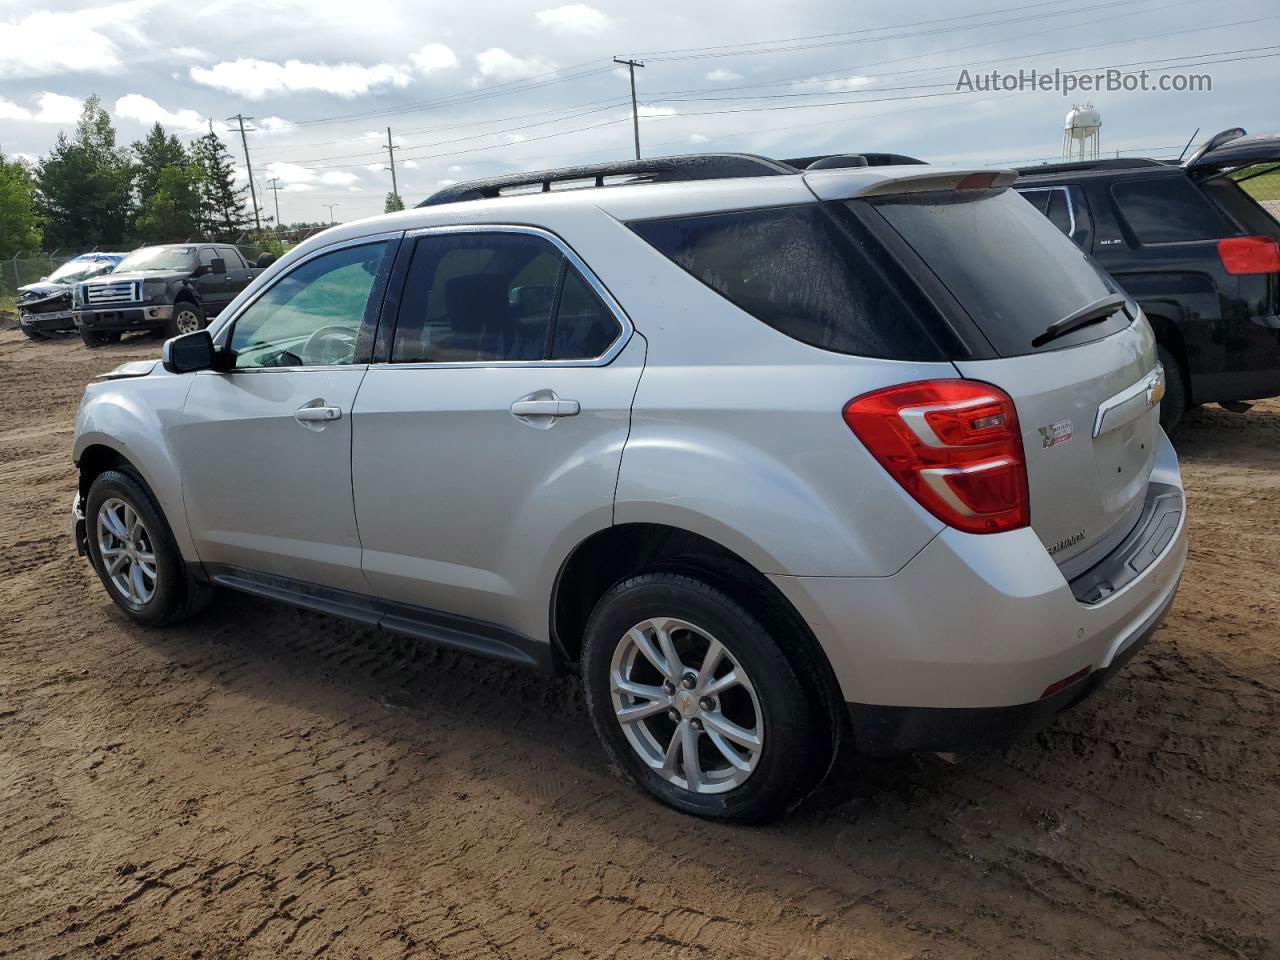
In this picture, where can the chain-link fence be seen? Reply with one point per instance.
(1262, 182)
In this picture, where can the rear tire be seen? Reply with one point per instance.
(756, 741)
(134, 554)
(1176, 393)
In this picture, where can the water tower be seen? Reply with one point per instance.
(1081, 139)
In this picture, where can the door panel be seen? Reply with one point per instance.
(467, 507)
(265, 490)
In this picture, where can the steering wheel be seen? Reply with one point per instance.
(334, 344)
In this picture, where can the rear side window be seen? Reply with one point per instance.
(1010, 269)
(1168, 210)
(797, 270)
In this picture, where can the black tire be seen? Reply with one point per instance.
(177, 594)
(92, 338)
(181, 310)
(1176, 393)
(793, 722)
(33, 334)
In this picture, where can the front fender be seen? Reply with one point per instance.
(132, 417)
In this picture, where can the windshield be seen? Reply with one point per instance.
(75, 270)
(158, 258)
(1011, 269)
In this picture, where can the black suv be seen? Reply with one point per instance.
(1196, 251)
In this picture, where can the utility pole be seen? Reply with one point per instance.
(391, 153)
(253, 192)
(635, 114)
(274, 185)
(331, 206)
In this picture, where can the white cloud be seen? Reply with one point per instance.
(845, 84)
(410, 164)
(11, 111)
(338, 178)
(273, 124)
(73, 41)
(373, 166)
(496, 64)
(134, 106)
(445, 183)
(297, 187)
(194, 53)
(574, 18)
(296, 177)
(255, 79)
(516, 138)
(723, 76)
(647, 111)
(698, 138)
(50, 108)
(455, 168)
(434, 56)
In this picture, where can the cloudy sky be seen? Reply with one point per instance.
(473, 89)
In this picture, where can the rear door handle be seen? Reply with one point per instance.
(317, 412)
(546, 408)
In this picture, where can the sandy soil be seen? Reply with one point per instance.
(263, 782)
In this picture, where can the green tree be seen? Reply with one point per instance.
(157, 151)
(171, 212)
(222, 206)
(19, 223)
(393, 203)
(85, 184)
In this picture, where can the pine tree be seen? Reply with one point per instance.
(153, 154)
(222, 206)
(171, 212)
(393, 203)
(85, 184)
(19, 225)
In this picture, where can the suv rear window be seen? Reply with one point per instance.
(798, 271)
(1168, 210)
(1011, 270)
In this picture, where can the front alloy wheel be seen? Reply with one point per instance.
(686, 706)
(128, 555)
(186, 319)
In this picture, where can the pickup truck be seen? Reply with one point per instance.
(174, 288)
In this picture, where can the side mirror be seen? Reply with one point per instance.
(218, 265)
(189, 352)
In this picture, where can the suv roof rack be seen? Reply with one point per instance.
(873, 159)
(705, 166)
(1083, 166)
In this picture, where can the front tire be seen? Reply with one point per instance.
(134, 554)
(695, 701)
(33, 334)
(187, 318)
(92, 338)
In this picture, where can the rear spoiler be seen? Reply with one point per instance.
(875, 182)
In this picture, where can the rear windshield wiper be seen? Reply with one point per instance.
(1095, 312)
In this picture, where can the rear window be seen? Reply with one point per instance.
(797, 270)
(1011, 270)
(1168, 210)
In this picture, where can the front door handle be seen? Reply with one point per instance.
(546, 408)
(317, 412)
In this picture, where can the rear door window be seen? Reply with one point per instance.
(800, 272)
(1008, 267)
(1168, 210)
(1065, 208)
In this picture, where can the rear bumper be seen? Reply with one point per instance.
(969, 636)
(125, 318)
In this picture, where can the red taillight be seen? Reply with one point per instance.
(1244, 255)
(954, 445)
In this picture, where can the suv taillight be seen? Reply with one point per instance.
(1248, 255)
(954, 445)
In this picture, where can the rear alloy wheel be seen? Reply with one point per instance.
(696, 702)
(187, 318)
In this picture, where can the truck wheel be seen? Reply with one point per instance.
(33, 334)
(695, 701)
(1174, 404)
(187, 318)
(92, 338)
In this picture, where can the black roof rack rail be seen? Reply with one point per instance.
(1084, 166)
(705, 166)
(873, 159)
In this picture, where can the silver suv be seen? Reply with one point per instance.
(778, 459)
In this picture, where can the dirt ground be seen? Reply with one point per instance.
(264, 782)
